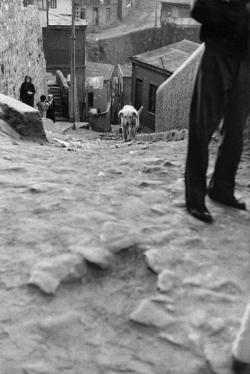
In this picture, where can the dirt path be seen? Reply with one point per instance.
(179, 317)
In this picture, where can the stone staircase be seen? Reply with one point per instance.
(55, 90)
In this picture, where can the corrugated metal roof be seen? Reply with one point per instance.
(96, 69)
(169, 57)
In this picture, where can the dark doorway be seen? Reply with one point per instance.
(90, 100)
(138, 93)
(82, 13)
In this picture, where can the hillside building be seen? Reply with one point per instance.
(97, 13)
(150, 70)
(177, 12)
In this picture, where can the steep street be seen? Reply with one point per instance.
(135, 284)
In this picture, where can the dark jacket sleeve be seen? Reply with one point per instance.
(217, 12)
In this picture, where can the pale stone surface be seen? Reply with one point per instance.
(153, 259)
(117, 236)
(53, 200)
(25, 120)
(150, 313)
(167, 280)
(39, 367)
(49, 273)
(94, 254)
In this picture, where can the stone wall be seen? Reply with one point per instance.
(21, 119)
(117, 50)
(21, 48)
(173, 98)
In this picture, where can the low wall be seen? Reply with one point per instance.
(118, 50)
(23, 119)
(173, 97)
(102, 121)
(21, 48)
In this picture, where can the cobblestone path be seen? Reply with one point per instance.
(158, 292)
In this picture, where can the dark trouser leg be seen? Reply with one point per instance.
(214, 80)
(230, 150)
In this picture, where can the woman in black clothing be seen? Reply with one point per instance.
(27, 92)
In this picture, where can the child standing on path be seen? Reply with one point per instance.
(51, 108)
(43, 106)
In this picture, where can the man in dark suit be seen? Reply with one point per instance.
(217, 96)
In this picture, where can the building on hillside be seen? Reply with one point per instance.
(98, 13)
(176, 11)
(150, 70)
(57, 49)
(98, 89)
(103, 13)
(124, 75)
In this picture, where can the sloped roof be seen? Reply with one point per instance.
(126, 70)
(96, 69)
(176, 2)
(170, 57)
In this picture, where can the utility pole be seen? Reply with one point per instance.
(47, 12)
(155, 13)
(73, 65)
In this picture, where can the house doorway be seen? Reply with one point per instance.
(90, 100)
(138, 93)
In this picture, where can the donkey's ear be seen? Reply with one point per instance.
(120, 113)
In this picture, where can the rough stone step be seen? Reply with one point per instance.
(53, 86)
(55, 90)
(61, 119)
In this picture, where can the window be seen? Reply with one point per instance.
(152, 98)
(28, 2)
(138, 93)
(108, 16)
(53, 4)
(82, 13)
(41, 4)
(90, 100)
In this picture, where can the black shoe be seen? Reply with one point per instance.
(239, 367)
(225, 200)
(201, 213)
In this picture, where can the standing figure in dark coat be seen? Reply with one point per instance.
(27, 91)
(51, 109)
(217, 96)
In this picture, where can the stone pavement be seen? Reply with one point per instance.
(103, 272)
